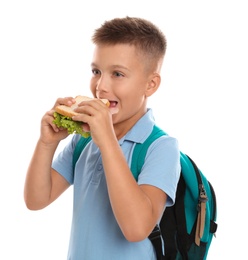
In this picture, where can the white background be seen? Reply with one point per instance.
(45, 53)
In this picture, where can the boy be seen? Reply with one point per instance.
(112, 213)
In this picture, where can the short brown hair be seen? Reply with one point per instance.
(141, 33)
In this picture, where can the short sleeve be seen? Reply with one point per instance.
(162, 167)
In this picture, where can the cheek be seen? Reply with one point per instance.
(133, 99)
(93, 88)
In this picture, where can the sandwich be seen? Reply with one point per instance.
(63, 116)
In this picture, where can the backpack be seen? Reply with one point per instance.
(186, 229)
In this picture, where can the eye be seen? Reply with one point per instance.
(118, 74)
(95, 72)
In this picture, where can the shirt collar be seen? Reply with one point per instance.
(141, 130)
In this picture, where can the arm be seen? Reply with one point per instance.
(136, 208)
(43, 185)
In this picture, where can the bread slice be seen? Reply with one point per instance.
(69, 111)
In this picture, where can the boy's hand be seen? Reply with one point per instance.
(50, 133)
(97, 119)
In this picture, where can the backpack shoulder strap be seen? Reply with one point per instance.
(138, 158)
(140, 150)
(79, 148)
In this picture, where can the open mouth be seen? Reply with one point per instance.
(113, 103)
(113, 107)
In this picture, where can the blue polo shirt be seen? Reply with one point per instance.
(95, 233)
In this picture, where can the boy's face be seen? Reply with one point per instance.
(118, 74)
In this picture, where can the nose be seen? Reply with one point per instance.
(102, 85)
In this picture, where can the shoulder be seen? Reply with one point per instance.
(163, 151)
(161, 167)
(164, 143)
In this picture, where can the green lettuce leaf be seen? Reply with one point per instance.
(73, 127)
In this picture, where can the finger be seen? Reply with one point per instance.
(86, 128)
(68, 101)
(48, 121)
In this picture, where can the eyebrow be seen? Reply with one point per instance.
(113, 66)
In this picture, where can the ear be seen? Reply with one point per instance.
(153, 84)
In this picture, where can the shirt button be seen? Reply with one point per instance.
(99, 167)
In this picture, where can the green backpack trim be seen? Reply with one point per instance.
(140, 150)
(79, 148)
